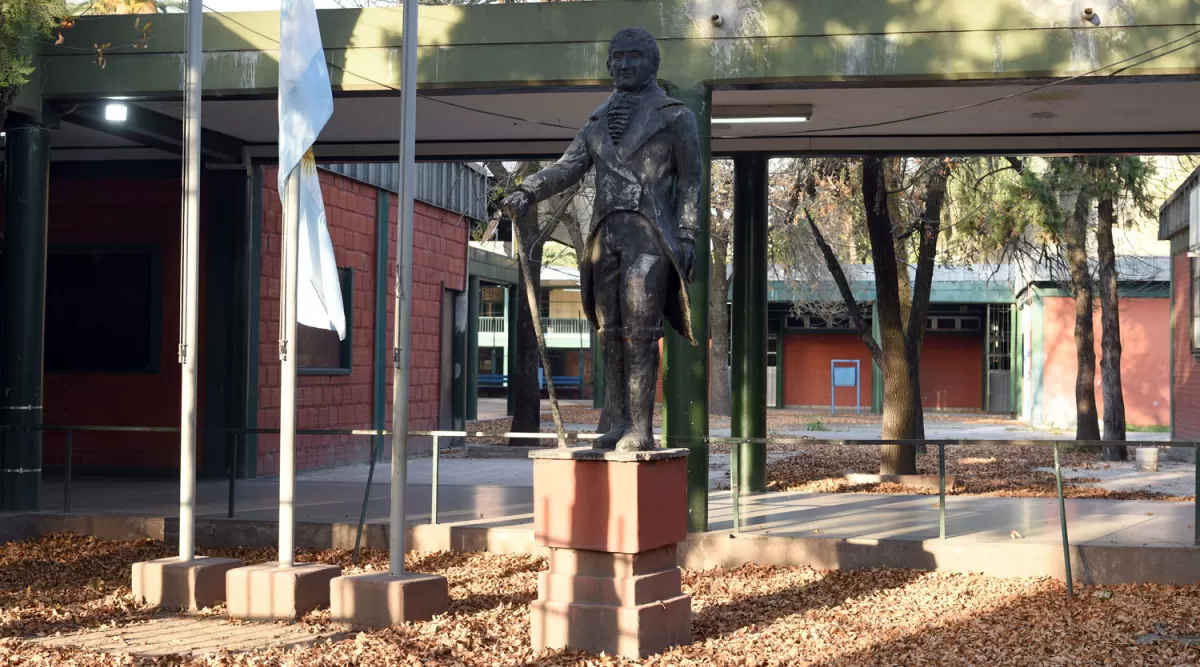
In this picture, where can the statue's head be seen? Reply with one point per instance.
(632, 58)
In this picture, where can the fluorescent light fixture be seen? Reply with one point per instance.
(763, 114)
(762, 120)
(116, 113)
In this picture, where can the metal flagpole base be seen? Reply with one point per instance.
(381, 600)
(191, 585)
(269, 592)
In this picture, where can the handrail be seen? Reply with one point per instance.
(437, 435)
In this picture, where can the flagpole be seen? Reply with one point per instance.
(287, 354)
(190, 315)
(404, 253)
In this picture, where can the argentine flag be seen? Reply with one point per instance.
(305, 105)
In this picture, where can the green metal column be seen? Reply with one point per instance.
(876, 371)
(510, 351)
(685, 368)
(458, 363)
(23, 313)
(252, 303)
(473, 349)
(749, 385)
(780, 362)
(1014, 353)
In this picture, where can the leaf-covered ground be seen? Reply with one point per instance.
(989, 470)
(753, 615)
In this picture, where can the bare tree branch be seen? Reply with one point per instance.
(839, 277)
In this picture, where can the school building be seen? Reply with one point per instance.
(112, 303)
(1179, 223)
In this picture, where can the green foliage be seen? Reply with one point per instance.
(1003, 215)
(21, 22)
(1156, 428)
(815, 425)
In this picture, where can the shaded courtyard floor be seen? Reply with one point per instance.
(56, 586)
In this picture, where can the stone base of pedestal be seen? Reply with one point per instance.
(269, 592)
(382, 600)
(612, 522)
(620, 604)
(171, 583)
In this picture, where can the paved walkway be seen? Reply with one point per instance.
(849, 516)
(189, 635)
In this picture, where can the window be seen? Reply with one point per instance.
(319, 352)
(488, 364)
(103, 308)
(1195, 279)
(491, 301)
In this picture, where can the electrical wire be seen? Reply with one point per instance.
(1146, 56)
(1002, 98)
(395, 89)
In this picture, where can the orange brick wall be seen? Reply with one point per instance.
(345, 401)
(1145, 360)
(952, 371)
(807, 376)
(1187, 369)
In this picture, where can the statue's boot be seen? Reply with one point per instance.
(641, 352)
(614, 418)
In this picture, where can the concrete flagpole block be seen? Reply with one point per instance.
(190, 585)
(381, 600)
(269, 592)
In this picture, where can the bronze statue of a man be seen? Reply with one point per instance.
(640, 253)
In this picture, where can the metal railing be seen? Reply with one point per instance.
(563, 326)
(572, 326)
(735, 492)
(492, 325)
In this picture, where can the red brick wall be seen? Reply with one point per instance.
(345, 401)
(1187, 370)
(806, 375)
(952, 371)
(1145, 360)
(142, 211)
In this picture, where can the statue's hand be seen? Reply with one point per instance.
(687, 259)
(517, 204)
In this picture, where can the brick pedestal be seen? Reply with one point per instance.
(190, 585)
(612, 522)
(269, 592)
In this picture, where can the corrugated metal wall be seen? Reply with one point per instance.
(454, 186)
(1174, 215)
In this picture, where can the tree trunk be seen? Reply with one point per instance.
(1110, 339)
(720, 402)
(1075, 241)
(902, 416)
(527, 408)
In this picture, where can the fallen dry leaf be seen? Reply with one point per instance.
(752, 615)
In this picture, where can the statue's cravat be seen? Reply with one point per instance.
(619, 111)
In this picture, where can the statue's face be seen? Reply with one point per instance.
(629, 65)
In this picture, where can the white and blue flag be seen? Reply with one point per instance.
(305, 105)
